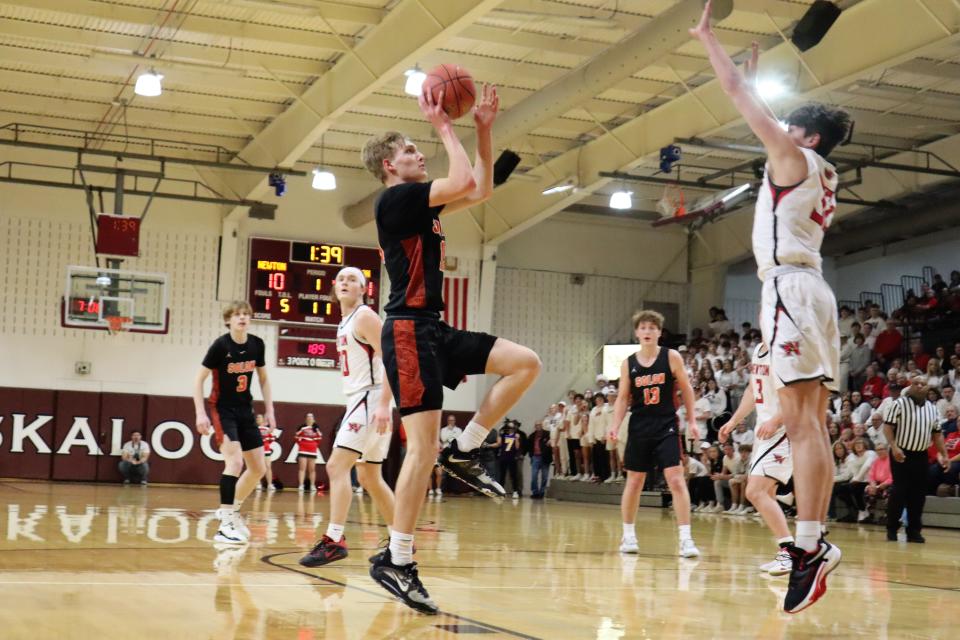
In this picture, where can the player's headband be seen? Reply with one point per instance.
(356, 272)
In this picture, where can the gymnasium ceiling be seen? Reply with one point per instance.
(293, 82)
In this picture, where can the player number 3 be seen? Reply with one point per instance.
(242, 383)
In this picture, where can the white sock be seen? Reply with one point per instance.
(335, 532)
(629, 532)
(401, 548)
(472, 437)
(684, 532)
(823, 529)
(808, 533)
(226, 510)
(785, 540)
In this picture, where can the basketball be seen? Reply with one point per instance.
(456, 83)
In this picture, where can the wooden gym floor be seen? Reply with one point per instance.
(106, 561)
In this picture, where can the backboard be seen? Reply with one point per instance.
(115, 299)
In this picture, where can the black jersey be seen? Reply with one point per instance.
(412, 242)
(652, 391)
(233, 366)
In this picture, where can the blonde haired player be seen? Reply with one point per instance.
(798, 309)
(771, 462)
(364, 434)
(231, 360)
(649, 379)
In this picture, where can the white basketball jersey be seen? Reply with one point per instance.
(361, 369)
(790, 220)
(764, 393)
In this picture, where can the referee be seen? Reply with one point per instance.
(909, 424)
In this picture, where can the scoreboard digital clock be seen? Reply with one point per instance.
(292, 281)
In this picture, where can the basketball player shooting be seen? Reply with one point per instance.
(649, 380)
(364, 434)
(231, 360)
(771, 462)
(421, 353)
(798, 309)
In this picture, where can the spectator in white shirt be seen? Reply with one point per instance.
(948, 399)
(718, 404)
(859, 409)
(875, 429)
(742, 435)
(133, 460)
(846, 321)
(869, 336)
(853, 477)
(731, 382)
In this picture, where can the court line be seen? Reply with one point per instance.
(62, 583)
(268, 559)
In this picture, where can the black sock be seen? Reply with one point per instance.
(228, 489)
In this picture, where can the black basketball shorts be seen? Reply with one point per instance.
(644, 452)
(423, 355)
(238, 424)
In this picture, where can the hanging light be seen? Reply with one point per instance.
(324, 180)
(621, 200)
(771, 88)
(148, 84)
(415, 80)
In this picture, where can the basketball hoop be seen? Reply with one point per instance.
(672, 202)
(117, 324)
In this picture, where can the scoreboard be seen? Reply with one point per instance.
(292, 282)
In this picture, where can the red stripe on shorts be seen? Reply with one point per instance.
(217, 425)
(408, 363)
(416, 289)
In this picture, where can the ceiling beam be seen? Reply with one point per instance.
(542, 111)
(115, 68)
(245, 31)
(852, 49)
(322, 8)
(62, 37)
(379, 58)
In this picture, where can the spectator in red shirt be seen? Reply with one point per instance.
(889, 342)
(874, 384)
(918, 356)
(308, 451)
(951, 476)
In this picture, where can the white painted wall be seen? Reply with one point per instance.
(43, 230)
(867, 270)
(599, 245)
(851, 274)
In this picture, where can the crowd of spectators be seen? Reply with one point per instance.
(880, 356)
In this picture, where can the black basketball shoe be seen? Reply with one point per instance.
(808, 579)
(325, 552)
(466, 467)
(403, 582)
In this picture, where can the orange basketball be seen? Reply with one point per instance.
(459, 92)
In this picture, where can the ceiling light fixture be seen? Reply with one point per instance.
(324, 180)
(415, 80)
(771, 88)
(148, 84)
(621, 200)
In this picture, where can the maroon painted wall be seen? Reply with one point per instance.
(163, 420)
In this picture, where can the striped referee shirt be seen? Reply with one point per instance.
(913, 424)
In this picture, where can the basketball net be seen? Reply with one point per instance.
(117, 324)
(672, 202)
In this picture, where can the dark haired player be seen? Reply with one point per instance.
(232, 359)
(798, 309)
(650, 379)
(421, 354)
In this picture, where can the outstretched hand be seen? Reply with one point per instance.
(702, 29)
(486, 109)
(432, 109)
